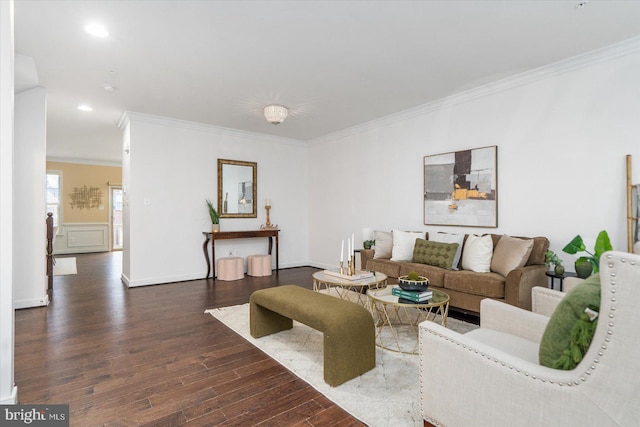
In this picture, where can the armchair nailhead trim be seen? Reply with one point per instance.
(596, 360)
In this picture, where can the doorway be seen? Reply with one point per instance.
(115, 199)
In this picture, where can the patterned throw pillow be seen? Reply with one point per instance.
(434, 253)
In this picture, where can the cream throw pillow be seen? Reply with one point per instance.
(403, 243)
(450, 238)
(384, 244)
(510, 253)
(477, 252)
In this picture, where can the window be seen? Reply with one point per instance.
(54, 191)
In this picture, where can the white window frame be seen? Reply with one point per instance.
(56, 221)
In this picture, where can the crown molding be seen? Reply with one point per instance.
(606, 53)
(129, 116)
(84, 161)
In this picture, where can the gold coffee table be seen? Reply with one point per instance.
(351, 290)
(397, 322)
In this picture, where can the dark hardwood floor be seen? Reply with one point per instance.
(150, 356)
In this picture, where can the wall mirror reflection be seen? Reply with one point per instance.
(237, 188)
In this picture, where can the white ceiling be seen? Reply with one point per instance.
(336, 64)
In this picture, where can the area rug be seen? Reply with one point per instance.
(64, 266)
(387, 395)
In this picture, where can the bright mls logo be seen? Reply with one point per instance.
(35, 415)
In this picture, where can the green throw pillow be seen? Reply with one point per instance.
(434, 253)
(570, 330)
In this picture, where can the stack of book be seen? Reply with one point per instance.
(411, 296)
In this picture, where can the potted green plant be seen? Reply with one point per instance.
(215, 218)
(551, 258)
(589, 263)
(368, 244)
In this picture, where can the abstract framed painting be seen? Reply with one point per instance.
(461, 188)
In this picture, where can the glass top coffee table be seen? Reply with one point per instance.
(351, 290)
(397, 322)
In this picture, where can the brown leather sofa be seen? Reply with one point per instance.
(467, 288)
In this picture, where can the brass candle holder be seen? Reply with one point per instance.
(268, 225)
(341, 268)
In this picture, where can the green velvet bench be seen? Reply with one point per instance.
(349, 333)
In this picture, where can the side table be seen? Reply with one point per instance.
(553, 276)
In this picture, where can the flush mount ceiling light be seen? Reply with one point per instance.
(85, 107)
(96, 29)
(275, 113)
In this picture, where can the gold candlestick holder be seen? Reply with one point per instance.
(341, 268)
(268, 225)
(352, 266)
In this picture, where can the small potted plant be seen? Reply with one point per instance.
(368, 244)
(585, 265)
(215, 218)
(551, 258)
(413, 282)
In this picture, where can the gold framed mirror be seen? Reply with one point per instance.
(237, 188)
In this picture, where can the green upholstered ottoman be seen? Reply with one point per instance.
(349, 333)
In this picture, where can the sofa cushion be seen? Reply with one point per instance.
(384, 243)
(477, 252)
(569, 332)
(403, 243)
(486, 284)
(434, 253)
(434, 274)
(450, 238)
(510, 253)
(386, 266)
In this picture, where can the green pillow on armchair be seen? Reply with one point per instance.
(570, 330)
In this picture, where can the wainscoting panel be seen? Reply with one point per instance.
(82, 238)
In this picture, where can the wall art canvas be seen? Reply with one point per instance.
(85, 198)
(460, 188)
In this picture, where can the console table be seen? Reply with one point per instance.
(209, 236)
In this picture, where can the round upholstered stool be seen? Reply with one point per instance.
(259, 265)
(230, 268)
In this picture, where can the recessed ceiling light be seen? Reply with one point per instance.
(85, 107)
(96, 29)
(108, 87)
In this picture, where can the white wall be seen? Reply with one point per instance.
(8, 390)
(562, 134)
(30, 163)
(170, 171)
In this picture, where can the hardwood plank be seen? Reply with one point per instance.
(150, 356)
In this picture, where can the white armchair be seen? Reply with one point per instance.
(491, 376)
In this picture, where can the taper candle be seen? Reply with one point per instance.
(342, 251)
(267, 202)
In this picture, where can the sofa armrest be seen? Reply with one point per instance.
(545, 300)
(365, 256)
(519, 283)
(512, 320)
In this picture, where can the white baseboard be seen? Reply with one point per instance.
(160, 280)
(184, 278)
(11, 399)
(29, 303)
